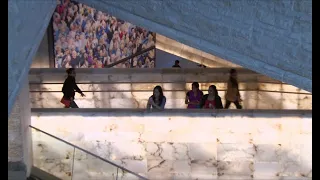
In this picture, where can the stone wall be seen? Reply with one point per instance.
(176, 144)
(122, 88)
(273, 38)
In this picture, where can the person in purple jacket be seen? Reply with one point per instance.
(194, 96)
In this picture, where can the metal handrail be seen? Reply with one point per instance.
(94, 155)
(130, 57)
(175, 90)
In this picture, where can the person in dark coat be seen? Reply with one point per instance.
(211, 100)
(176, 64)
(69, 88)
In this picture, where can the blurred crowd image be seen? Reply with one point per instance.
(87, 38)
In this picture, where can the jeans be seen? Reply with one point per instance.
(235, 102)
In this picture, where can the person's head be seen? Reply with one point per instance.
(157, 92)
(71, 72)
(177, 62)
(74, 54)
(233, 73)
(62, 39)
(213, 90)
(67, 51)
(195, 86)
(58, 49)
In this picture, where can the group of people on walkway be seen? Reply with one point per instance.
(195, 99)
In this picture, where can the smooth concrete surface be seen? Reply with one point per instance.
(27, 23)
(273, 38)
(19, 134)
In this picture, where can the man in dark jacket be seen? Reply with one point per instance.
(69, 88)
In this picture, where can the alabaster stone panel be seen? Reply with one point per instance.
(168, 77)
(134, 93)
(52, 156)
(304, 101)
(175, 99)
(264, 145)
(269, 100)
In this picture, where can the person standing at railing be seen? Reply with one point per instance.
(233, 94)
(157, 100)
(194, 96)
(176, 64)
(69, 88)
(211, 100)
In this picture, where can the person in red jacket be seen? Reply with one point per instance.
(211, 100)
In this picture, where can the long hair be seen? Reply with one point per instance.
(159, 88)
(215, 90)
(195, 84)
(234, 82)
(70, 70)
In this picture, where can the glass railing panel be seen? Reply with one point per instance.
(70, 162)
(52, 156)
(87, 167)
(125, 175)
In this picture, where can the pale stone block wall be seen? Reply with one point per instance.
(176, 144)
(131, 88)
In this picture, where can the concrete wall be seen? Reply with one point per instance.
(166, 60)
(123, 88)
(27, 23)
(195, 55)
(176, 144)
(271, 37)
(41, 59)
(19, 136)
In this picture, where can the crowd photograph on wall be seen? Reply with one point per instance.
(87, 38)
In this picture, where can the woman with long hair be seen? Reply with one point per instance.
(211, 100)
(69, 88)
(233, 95)
(194, 96)
(157, 100)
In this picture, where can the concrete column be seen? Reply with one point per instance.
(27, 23)
(19, 136)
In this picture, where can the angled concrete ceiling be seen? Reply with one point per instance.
(174, 47)
(273, 38)
(27, 23)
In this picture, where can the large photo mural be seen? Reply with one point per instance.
(87, 38)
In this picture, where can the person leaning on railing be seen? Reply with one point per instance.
(157, 100)
(194, 96)
(211, 100)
